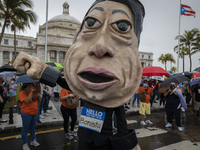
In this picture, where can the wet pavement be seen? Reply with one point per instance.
(153, 137)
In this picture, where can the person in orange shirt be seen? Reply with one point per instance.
(29, 109)
(145, 106)
(66, 112)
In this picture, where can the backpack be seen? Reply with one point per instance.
(143, 95)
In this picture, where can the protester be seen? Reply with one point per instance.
(157, 90)
(153, 86)
(188, 94)
(56, 93)
(29, 110)
(39, 105)
(196, 100)
(45, 100)
(162, 98)
(136, 96)
(12, 92)
(145, 106)
(3, 97)
(66, 112)
(172, 107)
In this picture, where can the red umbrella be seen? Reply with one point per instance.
(196, 75)
(154, 71)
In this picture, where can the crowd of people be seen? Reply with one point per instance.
(34, 104)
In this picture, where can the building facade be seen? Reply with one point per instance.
(60, 34)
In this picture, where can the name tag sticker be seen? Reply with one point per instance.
(92, 119)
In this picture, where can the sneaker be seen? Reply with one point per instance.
(39, 122)
(47, 111)
(183, 110)
(168, 125)
(15, 106)
(3, 121)
(143, 123)
(45, 114)
(69, 137)
(72, 133)
(149, 122)
(25, 147)
(41, 116)
(133, 106)
(127, 107)
(34, 143)
(180, 129)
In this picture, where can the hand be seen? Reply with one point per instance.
(32, 89)
(30, 64)
(1, 100)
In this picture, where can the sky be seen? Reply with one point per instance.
(161, 24)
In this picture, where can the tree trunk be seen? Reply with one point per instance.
(183, 63)
(165, 65)
(15, 46)
(190, 59)
(2, 31)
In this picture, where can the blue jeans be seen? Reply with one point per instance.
(134, 99)
(45, 103)
(39, 111)
(28, 122)
(115, 120)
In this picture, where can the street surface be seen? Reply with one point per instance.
(154, 137)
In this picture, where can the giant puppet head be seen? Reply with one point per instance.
(103, 66)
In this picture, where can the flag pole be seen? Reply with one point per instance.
(179, 37)
(45, 59)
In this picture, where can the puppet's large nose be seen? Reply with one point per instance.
(102, 47)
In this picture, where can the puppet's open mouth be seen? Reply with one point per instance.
(97, 78)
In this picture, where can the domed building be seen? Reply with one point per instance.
(61, 30)
(60, 34)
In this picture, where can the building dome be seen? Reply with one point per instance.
(65, 17)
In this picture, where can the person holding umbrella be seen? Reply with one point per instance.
(29, 109)
(172, 107)
(196, 100)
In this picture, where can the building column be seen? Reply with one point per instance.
(57, 56)
(1, 58)
(10, 56)
(48, 55)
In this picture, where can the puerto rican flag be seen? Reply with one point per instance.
(187, 10)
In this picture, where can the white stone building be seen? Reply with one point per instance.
(61, 30)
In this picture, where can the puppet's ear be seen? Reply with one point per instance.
(76, 36)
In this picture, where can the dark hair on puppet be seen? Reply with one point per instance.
(136, 8)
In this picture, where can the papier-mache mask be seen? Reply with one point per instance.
(102, 66)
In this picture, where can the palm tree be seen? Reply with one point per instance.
(188, 39)
(166, 57)
(16, 11)
(182, 52)
(173, 69)
(170, 58)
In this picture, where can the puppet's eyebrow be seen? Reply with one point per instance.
(120, 11)
(98, 8)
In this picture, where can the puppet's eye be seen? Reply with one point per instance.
(123, 26)
(92, 23)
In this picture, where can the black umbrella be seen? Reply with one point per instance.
(7, 68)
(197, 69)
(176, 79)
